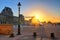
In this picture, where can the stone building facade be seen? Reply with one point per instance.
(6, 16)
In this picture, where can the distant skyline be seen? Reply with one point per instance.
(49, 10)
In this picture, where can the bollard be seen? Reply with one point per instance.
(12, 35)
(52, 35)
(34, 34)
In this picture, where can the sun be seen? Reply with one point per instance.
(37, 17)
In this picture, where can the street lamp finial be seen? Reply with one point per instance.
(19, 4)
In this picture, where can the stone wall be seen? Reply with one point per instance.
(6, 29)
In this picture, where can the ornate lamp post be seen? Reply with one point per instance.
(19, 19)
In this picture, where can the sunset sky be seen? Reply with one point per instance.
(47, 10)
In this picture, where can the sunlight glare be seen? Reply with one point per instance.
(37, 17)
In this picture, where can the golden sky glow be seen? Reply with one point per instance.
(42, 14)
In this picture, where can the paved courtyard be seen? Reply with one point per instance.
(26, 37)
(43, 33)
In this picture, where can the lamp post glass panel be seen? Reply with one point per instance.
(19, 18)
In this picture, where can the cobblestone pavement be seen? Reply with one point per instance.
(27, 37)
(30, 37)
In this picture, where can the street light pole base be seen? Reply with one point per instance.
(19, 32)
